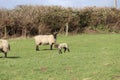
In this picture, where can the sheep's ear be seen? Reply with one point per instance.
(55, 33)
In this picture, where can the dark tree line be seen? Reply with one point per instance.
(32, 20)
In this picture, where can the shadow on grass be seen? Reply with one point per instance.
(46, 49)
(12, 57)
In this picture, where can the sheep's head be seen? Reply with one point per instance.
(55, 35)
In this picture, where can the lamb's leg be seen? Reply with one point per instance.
(64, 50)
(68, 49)
(60, 52)
(37, 47)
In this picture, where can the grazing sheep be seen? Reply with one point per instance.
(45, 40)
(62, 46)
(4, 47)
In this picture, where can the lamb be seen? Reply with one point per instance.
(62, 46)
(45, 40)
(4, 47)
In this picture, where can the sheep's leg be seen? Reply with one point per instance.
(51, 46)
(5, 54)
(9, 46)
(37, 47)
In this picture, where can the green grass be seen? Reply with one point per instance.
(92, 57)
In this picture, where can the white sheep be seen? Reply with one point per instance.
(4, 47)
(62, 46)
(45, 40)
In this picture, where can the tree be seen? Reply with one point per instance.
(115, 3)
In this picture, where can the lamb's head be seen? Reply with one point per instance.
(56, 45)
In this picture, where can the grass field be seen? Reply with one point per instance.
(92, 57)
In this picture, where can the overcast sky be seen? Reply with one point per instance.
(10, 4)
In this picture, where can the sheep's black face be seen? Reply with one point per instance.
(55, 35)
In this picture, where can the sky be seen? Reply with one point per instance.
(11, 4)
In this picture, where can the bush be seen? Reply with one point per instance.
(32, 20)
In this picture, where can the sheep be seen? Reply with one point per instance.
(62, 46)
(45, 40)
(4, 47)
